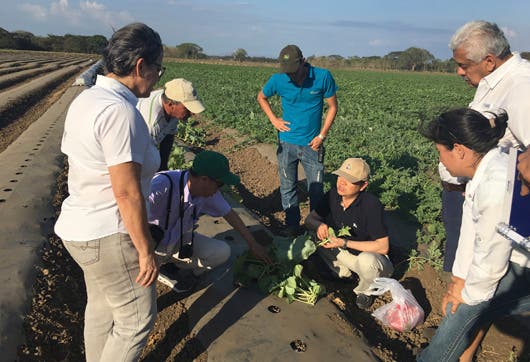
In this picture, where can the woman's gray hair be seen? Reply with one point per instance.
(480, 38)
(127, 45)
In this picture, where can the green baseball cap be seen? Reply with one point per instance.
(215, 166)
(290, 59)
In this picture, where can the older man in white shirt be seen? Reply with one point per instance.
(502, 78)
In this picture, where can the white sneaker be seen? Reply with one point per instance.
(170, 275)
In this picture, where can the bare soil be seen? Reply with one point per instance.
(19, 118)
(54, 323)
(259, 190)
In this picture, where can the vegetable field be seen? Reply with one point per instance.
(379, 114)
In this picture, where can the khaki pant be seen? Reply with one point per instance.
(119, 313)
(208, 253)
(366, 265)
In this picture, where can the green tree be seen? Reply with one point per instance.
(23, 40)
(6, 39)
(189, 51)
(415, 59)
(95, 44)
(240, 54)
(74, 43)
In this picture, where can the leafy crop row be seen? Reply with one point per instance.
(378, 119)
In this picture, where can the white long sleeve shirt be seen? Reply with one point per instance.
(483, 254)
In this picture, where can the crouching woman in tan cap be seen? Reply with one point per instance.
(164, 109)
(349, 205)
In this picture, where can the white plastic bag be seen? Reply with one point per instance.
(403, 313)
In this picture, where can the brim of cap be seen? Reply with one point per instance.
(289, 67)
(346, 176)
(230, 179)
(194, 106)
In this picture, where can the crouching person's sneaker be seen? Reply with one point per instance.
(178, 280)
(364, 301)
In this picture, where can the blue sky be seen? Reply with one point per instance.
(262, 28)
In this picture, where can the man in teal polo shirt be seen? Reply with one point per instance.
(303, 89)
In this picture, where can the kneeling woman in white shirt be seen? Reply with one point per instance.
(490, 279)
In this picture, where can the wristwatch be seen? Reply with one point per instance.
(344, 245)
(321, 137)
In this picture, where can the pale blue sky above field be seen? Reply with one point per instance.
(262, 28)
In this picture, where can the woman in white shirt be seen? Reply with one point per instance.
(490, 279)
(103, 222)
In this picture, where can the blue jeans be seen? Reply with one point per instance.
(288, 157)
(452, 202)
(457, 331)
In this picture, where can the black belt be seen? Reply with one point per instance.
(453, 187)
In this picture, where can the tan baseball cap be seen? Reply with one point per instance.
(182, 90)
(354, 170)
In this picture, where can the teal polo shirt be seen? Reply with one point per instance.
(302, 106)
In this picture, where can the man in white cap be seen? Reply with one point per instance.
(365, 251)
(163, 110)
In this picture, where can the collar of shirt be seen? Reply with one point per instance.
(472, 185)
(354, 203)
(116, 87)
(310, 74)
(498, 74)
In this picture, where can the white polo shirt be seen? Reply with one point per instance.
(102, 128)
(483, 254)
(507, 88)
(152, 109)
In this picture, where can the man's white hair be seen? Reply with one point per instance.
(480, 38)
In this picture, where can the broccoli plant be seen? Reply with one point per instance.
(283, 276)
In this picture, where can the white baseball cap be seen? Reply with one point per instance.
(182, 90)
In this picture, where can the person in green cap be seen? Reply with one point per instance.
(176, 200)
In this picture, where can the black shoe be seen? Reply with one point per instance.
(169, 269)
(364, 301)
(176, 279)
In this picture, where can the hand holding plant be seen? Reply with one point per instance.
(332, 239)
(334, 242)
(260, 252)
(322, 231)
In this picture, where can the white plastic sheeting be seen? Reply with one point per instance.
(88, 77)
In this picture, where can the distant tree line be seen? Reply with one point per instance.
(24, 40)
(412, 59)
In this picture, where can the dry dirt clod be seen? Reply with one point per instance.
(298, 345)
(274, 309)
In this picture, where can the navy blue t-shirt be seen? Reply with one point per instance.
(364, 216)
